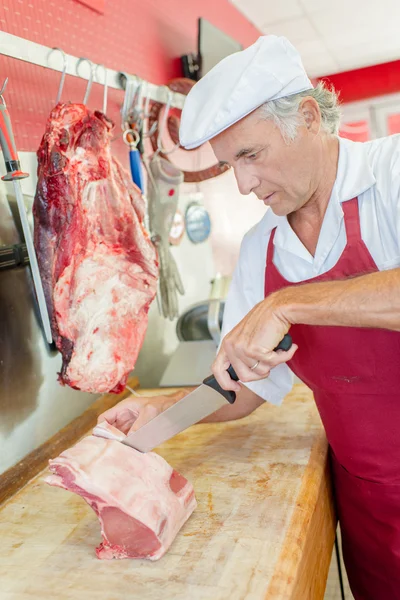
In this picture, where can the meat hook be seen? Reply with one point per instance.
(163, 127)
(63, 72)
(146, 105)
(105, 87)
(130, 84)
(91, 76)
(3, 89)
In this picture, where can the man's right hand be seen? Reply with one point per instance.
(133, 412)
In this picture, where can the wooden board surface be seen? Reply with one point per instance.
(263, 527)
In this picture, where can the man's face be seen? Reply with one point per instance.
(283, 175)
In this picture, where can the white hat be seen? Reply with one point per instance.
(269, 69)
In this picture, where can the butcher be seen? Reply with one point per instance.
(322, 264)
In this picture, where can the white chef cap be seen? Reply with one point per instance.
(269, 69)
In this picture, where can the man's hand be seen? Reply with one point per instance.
(251, 343)
(371, 301)
(133, 412)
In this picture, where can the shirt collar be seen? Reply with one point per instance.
(354, 176)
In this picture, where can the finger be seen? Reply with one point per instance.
(146, 414)
(122, 415)
(219, 370)
(273, 359)
(269, 361)
(246, 374)
(125, 421)
(109, 415)
(262, 370)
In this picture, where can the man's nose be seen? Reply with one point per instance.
(246, 182)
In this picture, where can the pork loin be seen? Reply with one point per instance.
(140, 500)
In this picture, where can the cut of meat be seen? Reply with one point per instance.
(98, 266)
(107, 431)
(140, 500)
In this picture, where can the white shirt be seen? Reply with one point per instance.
(370, 171)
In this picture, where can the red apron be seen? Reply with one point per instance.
(354, 374)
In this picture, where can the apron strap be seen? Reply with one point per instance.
(270, 249)
(352, 220)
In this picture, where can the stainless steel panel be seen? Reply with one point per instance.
(33, 405)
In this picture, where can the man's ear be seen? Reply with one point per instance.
(311, 114)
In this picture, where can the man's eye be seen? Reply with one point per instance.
(252, 156)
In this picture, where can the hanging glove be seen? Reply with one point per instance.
(163, 196)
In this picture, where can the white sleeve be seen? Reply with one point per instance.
(395, 190)
(246, 290)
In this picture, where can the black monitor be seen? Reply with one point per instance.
(212, 46)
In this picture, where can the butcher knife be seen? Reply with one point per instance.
(14, 174)
(194, 407)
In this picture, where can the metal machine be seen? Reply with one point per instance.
(199, 332)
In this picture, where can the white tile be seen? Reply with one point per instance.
(331, 36)
(382, 46)
(360, 22)
(263, 12)
(350, 62)
(342, 7)
(316, 58)
(296, 30)
(322, 67)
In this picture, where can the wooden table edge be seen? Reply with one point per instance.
(311, 534)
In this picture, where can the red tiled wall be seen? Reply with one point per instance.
(144, 37)
(361, 84)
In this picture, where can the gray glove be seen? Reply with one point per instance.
(162, 197)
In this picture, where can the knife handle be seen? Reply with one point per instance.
(227, 394)
(284, 344)
(7, 143)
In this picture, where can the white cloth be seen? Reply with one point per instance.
(370, 171)
(269, 69)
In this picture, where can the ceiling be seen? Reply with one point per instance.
(331, 35)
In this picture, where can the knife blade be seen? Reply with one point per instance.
(191, 409)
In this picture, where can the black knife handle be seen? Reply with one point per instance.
(284, 344)
(227, 394)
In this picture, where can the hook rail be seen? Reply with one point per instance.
(37, 54)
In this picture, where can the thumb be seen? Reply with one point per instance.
(146, 414)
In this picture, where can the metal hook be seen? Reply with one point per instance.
(162, 128)
(90, 81)
(63, 73)
(146, 114)
(135, 114)
(105, 87)
(129, 84)
(3, 89)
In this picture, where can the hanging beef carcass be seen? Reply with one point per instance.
(98, 266)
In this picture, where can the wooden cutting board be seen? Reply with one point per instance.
(264, 527)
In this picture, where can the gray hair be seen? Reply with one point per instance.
(284, 111)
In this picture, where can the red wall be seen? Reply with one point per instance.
(368, 82)
(144, 37)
